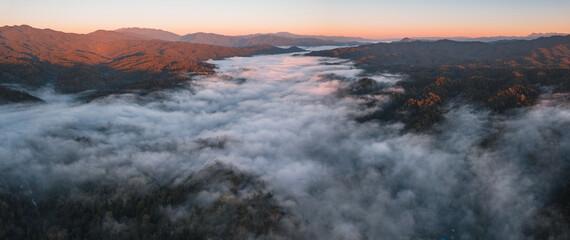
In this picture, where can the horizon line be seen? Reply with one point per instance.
(313, 34)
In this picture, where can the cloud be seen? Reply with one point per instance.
(278, 117)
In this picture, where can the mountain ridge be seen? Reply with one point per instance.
(275, 39)
(541, 52)
(498, 76)
(531, 36)
(323, 37)
(264, 39)
(150, 33)
(104, 59)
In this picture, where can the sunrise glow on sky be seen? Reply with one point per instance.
(365, 18)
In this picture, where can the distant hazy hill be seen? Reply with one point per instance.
(211, 38)
(103, 59)
(284, 41)
(329, 38)
(492, 39)
(286, 38)
(244, 41)
(541, 52)
(150, 33)
(277, 39)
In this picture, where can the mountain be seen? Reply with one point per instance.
(104, 59)
(111, 36)
(491, 39)
(542, 52)
(274, 39)
(322, 37)
(211, 38)
(285, 41)
(250, 40)
(497, 76)
(330, 38)
(150, 33)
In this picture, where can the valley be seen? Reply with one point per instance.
(110, 135)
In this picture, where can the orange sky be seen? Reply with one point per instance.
(365, 18)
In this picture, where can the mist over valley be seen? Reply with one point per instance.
(123, 138)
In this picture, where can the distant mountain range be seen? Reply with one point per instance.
(485, 39)
(138, 58)
(150, 33)
(551, 52)
(274, 39)
(104, 60)
(290, 39)
(231, 41)
(329, 38)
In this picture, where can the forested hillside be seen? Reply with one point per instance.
(104, 60)
(499, 76)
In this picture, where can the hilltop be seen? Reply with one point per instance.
(150, 33)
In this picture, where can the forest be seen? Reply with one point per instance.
(105, 61)
(143, 209)
(499, 76)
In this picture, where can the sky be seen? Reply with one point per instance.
(365, 18)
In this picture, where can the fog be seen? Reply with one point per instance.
(281, 118)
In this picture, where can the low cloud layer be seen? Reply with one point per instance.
(280, 117)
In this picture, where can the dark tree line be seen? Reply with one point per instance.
(117, 211)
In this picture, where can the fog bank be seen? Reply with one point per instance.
(281, 118)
